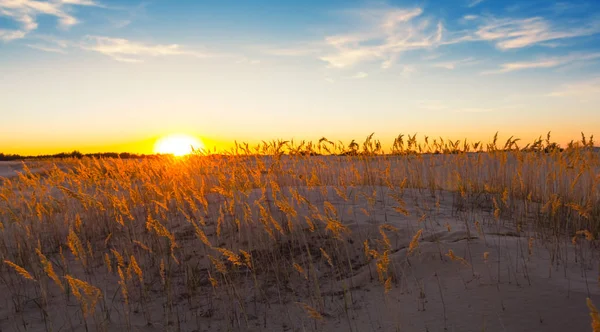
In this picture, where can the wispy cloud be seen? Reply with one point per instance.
(8, 35)
(25, 13)
(298, 50)
(126, 50)
(49, 43)
(474, 3)
(432, 105)
(552, 44)
(513, 33)
(515, 66)
(408, 70)
(361, 74)
(119, 24)
(49, 39)
(543, 63)
(474, 110)
(450, 65)
(562, 7)
(46, 48)
(79, 2)
(432, 56)
(245, 60)
(584, 89)
(439, 106)
(385, 34)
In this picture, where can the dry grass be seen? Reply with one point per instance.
(110, 244)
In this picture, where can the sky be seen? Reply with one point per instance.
(106, 75)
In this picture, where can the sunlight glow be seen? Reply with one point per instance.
(178, 145)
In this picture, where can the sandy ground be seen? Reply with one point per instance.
(513, 290)
(521, 286)
(12, 168)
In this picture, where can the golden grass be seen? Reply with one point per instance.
(594, 315)
(19, 270)
(210, 227)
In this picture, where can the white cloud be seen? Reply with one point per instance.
(121, 49)
(518, 33)
(8, 35)
(25, 13)
(79, 2)
(329, 80)
(543, 63)
(385, 34)
(361, 74)
(125, 50)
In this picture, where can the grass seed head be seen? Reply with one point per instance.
(414, 243)
(19, 270)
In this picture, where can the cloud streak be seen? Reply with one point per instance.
(382, 35)
(513, 33)
(474, 3)
(385, 34)
(360, 75)
(584, 89)
(452, 107)
(125, 50)
(47, 48)
(543, 63)
(451, 65)
(26, 12)
(293, 51)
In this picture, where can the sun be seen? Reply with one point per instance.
(178, 145)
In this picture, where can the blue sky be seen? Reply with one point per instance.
(115, 75)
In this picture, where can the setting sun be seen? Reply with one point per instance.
(178, 145)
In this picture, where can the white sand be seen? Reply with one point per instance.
(9, 168)
(12, 168)
(512, 291)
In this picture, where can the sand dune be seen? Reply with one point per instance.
(471, 269)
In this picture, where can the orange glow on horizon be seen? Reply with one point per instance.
(226, 143)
